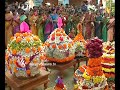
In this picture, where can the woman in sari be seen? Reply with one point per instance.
(16, 22)
(40, 27)
(32, 22)
(104, 29)
(69, 25)
(111, 29)
(54, 17)
(83, 24)
(89, 25)
(49, 27)
(76, 20)
(8, 26)
(98, 26)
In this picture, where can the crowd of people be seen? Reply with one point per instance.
(42, 20)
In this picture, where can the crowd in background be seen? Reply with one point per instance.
(42, 20)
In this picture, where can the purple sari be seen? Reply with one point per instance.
(48, 28)
(16, 25)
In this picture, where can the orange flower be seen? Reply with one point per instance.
(15, 69)
(18, 39)
(79, 37)
(47, 44)
(66, 59)
(54, 46)
(11, 61)
(69, 45)
(27, 60)
(39, 49)
(90, 72)
(53, 35)
(34, 49)
(12, 38)
(82, 69)
(35, 38)
(96, 69)
(61, 60)
(8, 49)
(94, 62)
(100, 73)
(14, 52)
(58, 30)
(35, 61)
(28, 39)
(64, 34)
(43, 45)
(14, 61)
(109, 75)
(42, 57)
(62, 31)
(9, 67)
(72, 43)
(25, 34)
(65, 46)
(17, 34)
(28, 72)
(6, 57)
(27, 50)
(60, 46)
(58, 34)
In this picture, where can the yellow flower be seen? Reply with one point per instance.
(75, 86)
(78, 43)
(109, 70)
(86, 76)
(97, 79)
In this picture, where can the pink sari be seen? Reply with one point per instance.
(111, 30)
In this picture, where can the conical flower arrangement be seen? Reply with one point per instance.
(24, 54)
(91, 77)
(59, 47)
(80, 42)
(108, 62)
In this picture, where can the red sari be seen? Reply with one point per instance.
(89, 18)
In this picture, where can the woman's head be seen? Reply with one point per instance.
(54, 12)
(7, 9)
(14, 12)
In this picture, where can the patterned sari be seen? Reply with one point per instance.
(8, 27)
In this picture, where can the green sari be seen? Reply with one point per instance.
(104, 29)
(68, 25)
(71, 23)
(40, 27)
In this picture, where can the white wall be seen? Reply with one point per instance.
(64, 2)
(37, 2)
